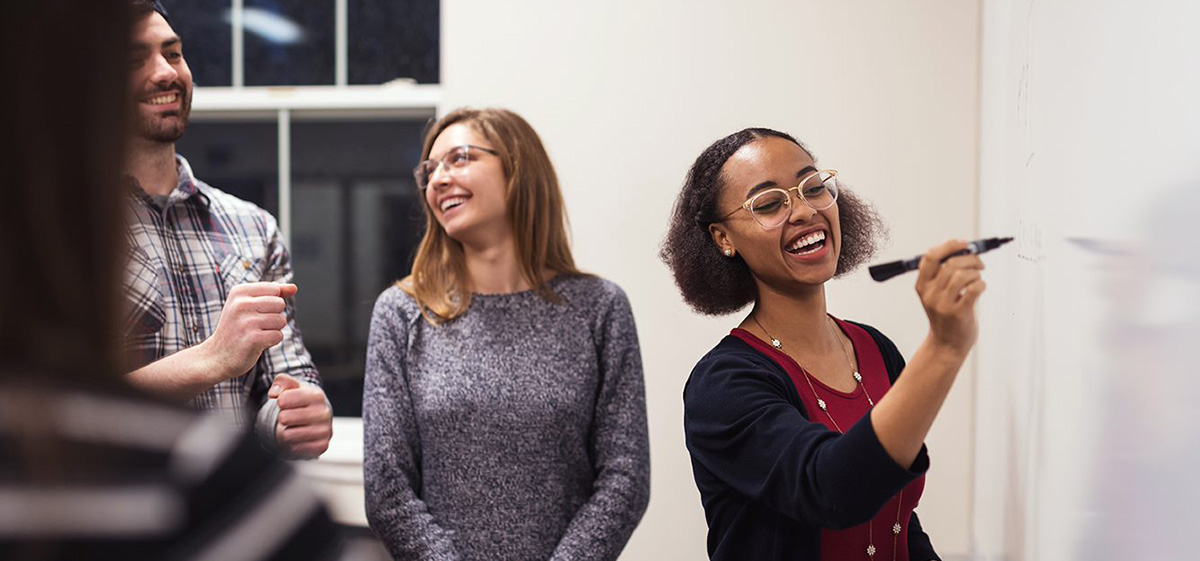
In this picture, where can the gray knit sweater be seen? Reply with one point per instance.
(517, 431)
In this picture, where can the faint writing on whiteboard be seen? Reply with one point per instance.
(1029, 242)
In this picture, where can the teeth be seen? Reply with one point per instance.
(452, 202)
(162, 99)
(807, 240)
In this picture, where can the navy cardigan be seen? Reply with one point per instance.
(769, 478)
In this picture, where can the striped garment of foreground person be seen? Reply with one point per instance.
(112, 475)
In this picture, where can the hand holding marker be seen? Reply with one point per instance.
(885, 271)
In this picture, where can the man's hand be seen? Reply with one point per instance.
(251, 322)
(305, 422)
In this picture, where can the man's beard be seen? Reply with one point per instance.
(165, 128)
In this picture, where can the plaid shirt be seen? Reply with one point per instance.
(185, 257)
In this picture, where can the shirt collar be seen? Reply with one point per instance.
(187, 182)
(185, 188)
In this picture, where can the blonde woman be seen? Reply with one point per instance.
(504, 405)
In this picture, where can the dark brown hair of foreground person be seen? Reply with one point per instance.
(64, 65)
(94, 467)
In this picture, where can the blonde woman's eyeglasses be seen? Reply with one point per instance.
(456, 158)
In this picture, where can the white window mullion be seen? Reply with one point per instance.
(237, 29)
(285, 175)
(341, 34)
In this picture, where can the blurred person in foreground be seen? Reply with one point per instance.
(1142, 484)
(89, 467)
(209, 278)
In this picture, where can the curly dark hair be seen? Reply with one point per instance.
(713, 284)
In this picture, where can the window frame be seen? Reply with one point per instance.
(285, 104)
(338, 472)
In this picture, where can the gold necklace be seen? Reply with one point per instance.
(824, 407)
(850, 363)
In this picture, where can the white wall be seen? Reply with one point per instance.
(1087, 445)
(627, 93)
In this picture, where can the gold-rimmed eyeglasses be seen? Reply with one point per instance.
(456, 158)
(772, 207)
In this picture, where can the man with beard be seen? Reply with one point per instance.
(209, 279)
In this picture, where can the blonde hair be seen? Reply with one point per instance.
(439, 281)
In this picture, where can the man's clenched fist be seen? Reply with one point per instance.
(305, 422)
(251, 322)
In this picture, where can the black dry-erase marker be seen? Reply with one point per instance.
(885, 271)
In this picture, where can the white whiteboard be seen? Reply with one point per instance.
(1090, 137)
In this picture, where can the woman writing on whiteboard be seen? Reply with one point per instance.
(504, 408)
(806, 442)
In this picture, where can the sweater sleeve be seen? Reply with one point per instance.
(743, 424)
(619, 444)
(919, 546)
(392, 450)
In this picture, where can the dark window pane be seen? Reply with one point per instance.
(356, 219)
(390, 39)
(240, 158)
(289, 42)
(204, 27)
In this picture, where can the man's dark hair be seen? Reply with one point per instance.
(142, 8)
(714, 284)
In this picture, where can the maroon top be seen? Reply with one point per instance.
(847, 409)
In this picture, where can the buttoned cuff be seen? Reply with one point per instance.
(267, 420)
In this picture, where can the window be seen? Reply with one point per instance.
(390, 40)
(207, 39)
(288, 42)
(308, 42)
(236, 156)
(327, 148)
(356, 218)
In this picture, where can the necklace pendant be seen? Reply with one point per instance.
(775, 343)
(857, 377)
(871, 550)
(896, 528)
(821, 404)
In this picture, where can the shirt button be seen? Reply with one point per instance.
(195, 328)
(246, 264)
(182, 269)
